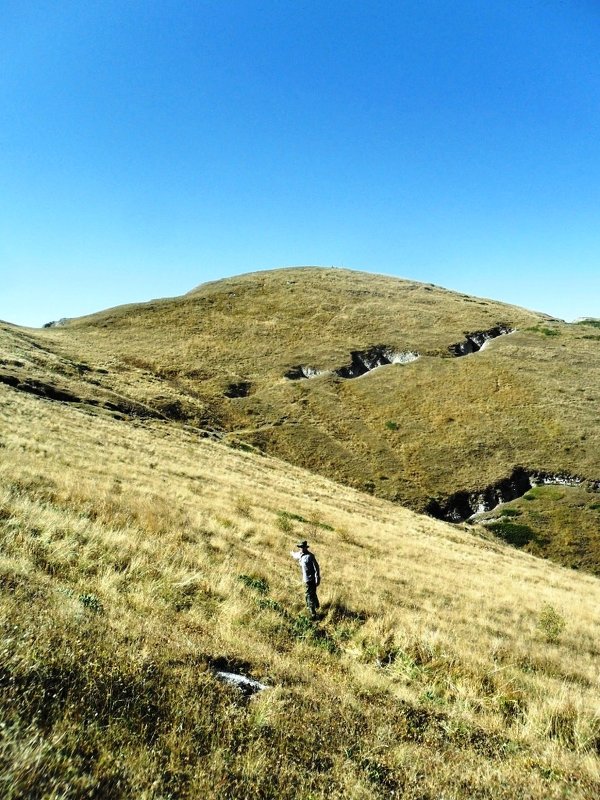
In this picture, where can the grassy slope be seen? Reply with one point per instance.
(404, 432)
(559, 522)
(123, 545)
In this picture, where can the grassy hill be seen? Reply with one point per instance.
(416, 433)
(139, 557)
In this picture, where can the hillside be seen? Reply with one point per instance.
(140, 557)
(282, 360)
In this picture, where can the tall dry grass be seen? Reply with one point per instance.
(137, 559)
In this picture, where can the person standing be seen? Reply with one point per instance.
(311, 575)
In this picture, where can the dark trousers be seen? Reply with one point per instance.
(312, 601)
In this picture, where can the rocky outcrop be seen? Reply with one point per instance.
(57, 323)
(366, 360)
(463, 505)
(477, 339)
(361, 362)
(302, 371)
(248, 686)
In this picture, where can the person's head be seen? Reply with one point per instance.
(303, 546)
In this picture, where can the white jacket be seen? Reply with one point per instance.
(310, 567)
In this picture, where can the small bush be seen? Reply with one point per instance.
(284, 523)
(391, 425)
(551, 624)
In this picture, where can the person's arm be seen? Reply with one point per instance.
(317, 572)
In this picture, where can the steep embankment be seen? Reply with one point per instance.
(405, 390)
(140, 560)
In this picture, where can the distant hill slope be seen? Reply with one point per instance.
(287, 361)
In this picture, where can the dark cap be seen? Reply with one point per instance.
(302, 544)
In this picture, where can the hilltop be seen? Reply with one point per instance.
(282, 361)
(142, 555)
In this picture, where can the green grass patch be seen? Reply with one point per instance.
(91, 602)
(272, 605)
(303, 628)
(545, 493)
(543, 330)
(510, 512)
(261, 585)
(517, 535)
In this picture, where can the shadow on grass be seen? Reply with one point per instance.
(515, 533)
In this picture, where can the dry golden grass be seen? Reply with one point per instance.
(407, 433)
(445, 665)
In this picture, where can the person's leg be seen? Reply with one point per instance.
(312, 602)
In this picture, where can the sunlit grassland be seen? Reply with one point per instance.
(136, 557)
(407, 433)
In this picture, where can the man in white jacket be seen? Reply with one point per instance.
(311, 575)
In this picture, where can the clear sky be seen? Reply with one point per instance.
(148, 146)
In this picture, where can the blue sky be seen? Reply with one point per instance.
(149, 146)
